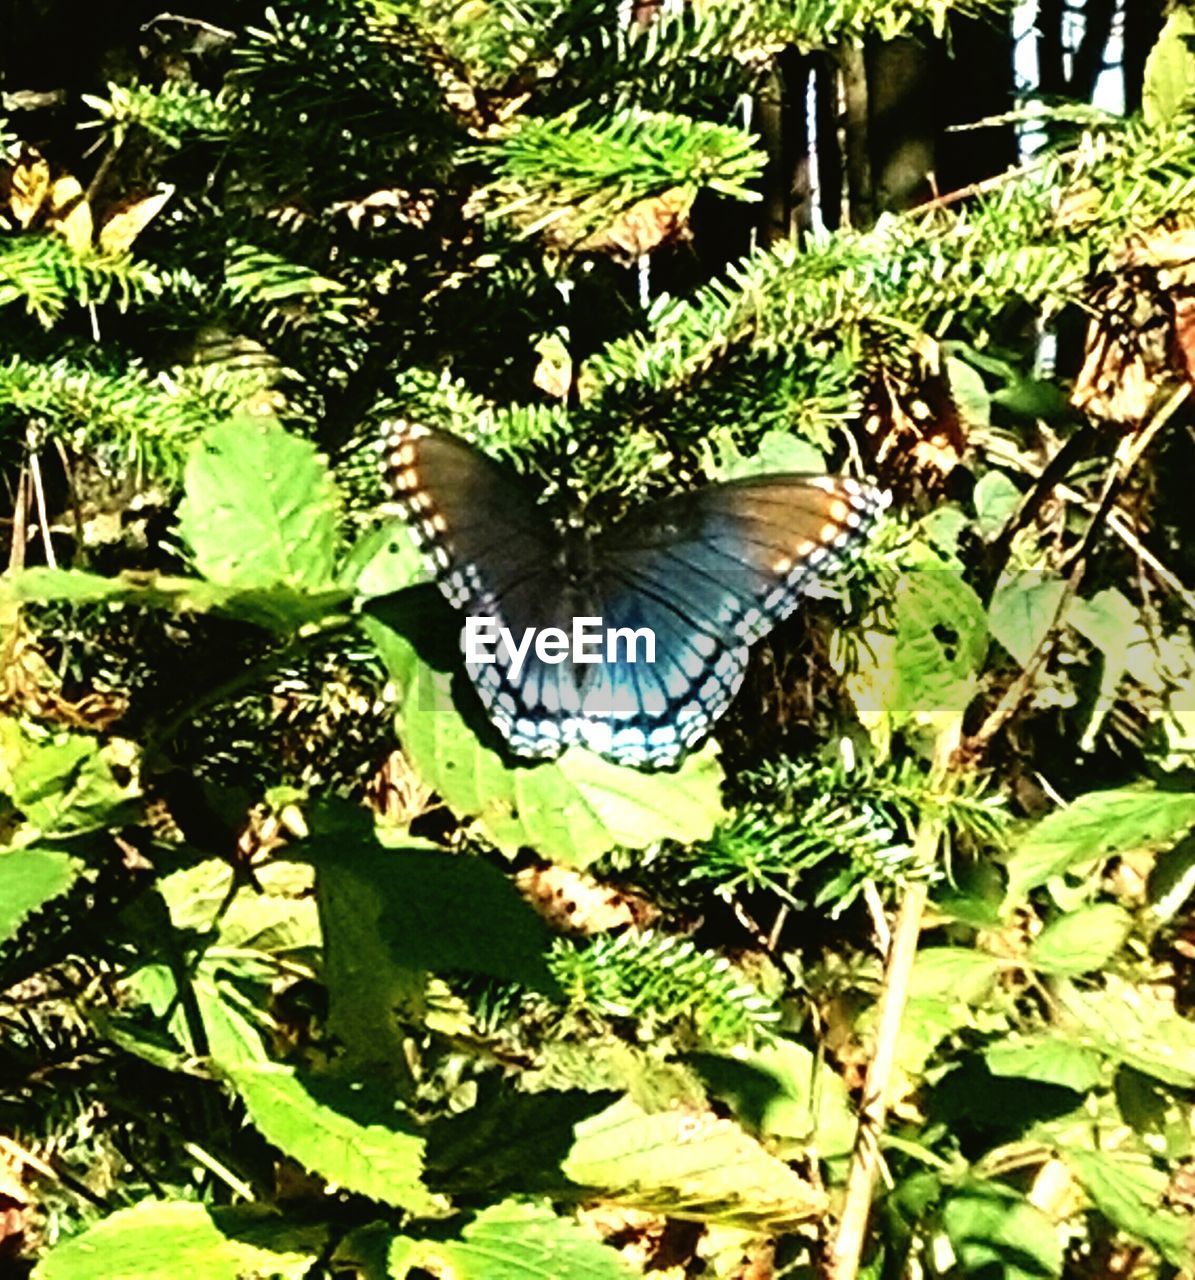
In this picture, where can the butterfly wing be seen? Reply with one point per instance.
(705, 573)
(494, 554)
(709, 572)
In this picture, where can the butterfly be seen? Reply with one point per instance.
(706, 572)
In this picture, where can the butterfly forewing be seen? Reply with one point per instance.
(706, 573)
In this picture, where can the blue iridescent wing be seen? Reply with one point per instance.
(494, 554)
(706, 573)
(709, 572)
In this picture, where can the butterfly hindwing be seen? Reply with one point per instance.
(706, 573)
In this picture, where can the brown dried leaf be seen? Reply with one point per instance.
(124, 226)
(574, 902)
(70, 214)
(29, 185)
(645, 226)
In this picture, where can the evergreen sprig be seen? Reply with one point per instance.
(661, 981)
(1036, 240)
(172, 113)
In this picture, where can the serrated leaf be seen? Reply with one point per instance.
(29, 878)
(1051, 1059)
(930, 665)
(996, 498)
(64, 785)
(511, 1241)
(1082, 940)
(1170, 70)
(1128, 1194)
(688, 1164)
(995, 1230)
(1098, 825)
(159, 1238)
(279, 608)
(438, 911)
(260, 509)
(348, 1133)
(783, 1091)
(572, 809)
(1022, 610)
(1135, 1027)
(953, 973)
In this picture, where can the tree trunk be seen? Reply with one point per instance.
(902, 122)
(976, 79)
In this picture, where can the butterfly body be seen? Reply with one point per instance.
(705, 573)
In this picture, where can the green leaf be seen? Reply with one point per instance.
(382, 562)
(692, 1161)
(279, 608)
(1022, 611)
(29, 878)
(1081, 940)
(1098, 825)
(260, 509)
(1132, 1026)
(995, 1231)
(1170, 70)
(1052, 1059)
(511, 1241)
(572, 809)
(1113, 626)
(348, 1133)
(953, 973)
(931, 663)
(65, 784)
(969, 393)
(439, 911)
(784, 1091)
(996, 498)
(1128, 1193)
(159, 1238)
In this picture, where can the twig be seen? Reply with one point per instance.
(20, 523)
(43, 517)
(1129, 453)
(842, 1258)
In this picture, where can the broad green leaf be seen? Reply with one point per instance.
(1113, 626)
(439, 911)
(995, 498)
(1098, 825)
(572, 809)
(65, 784)
(29, 878)
(230, 1037)
(1082, 940)
(783, 1091)
(995, 1231)
(1022, 611)
(969, 393)
(1170, 70)
(1128, 1193)
(511, 1241)
(931, 662)
(690, 1164)
(279, 607)
(953, 973)
(276, 913)
(382, 562)
(159, 1238)
(260, 509)
(1132, 1025)
(346, 1132)
(1052, 1059)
